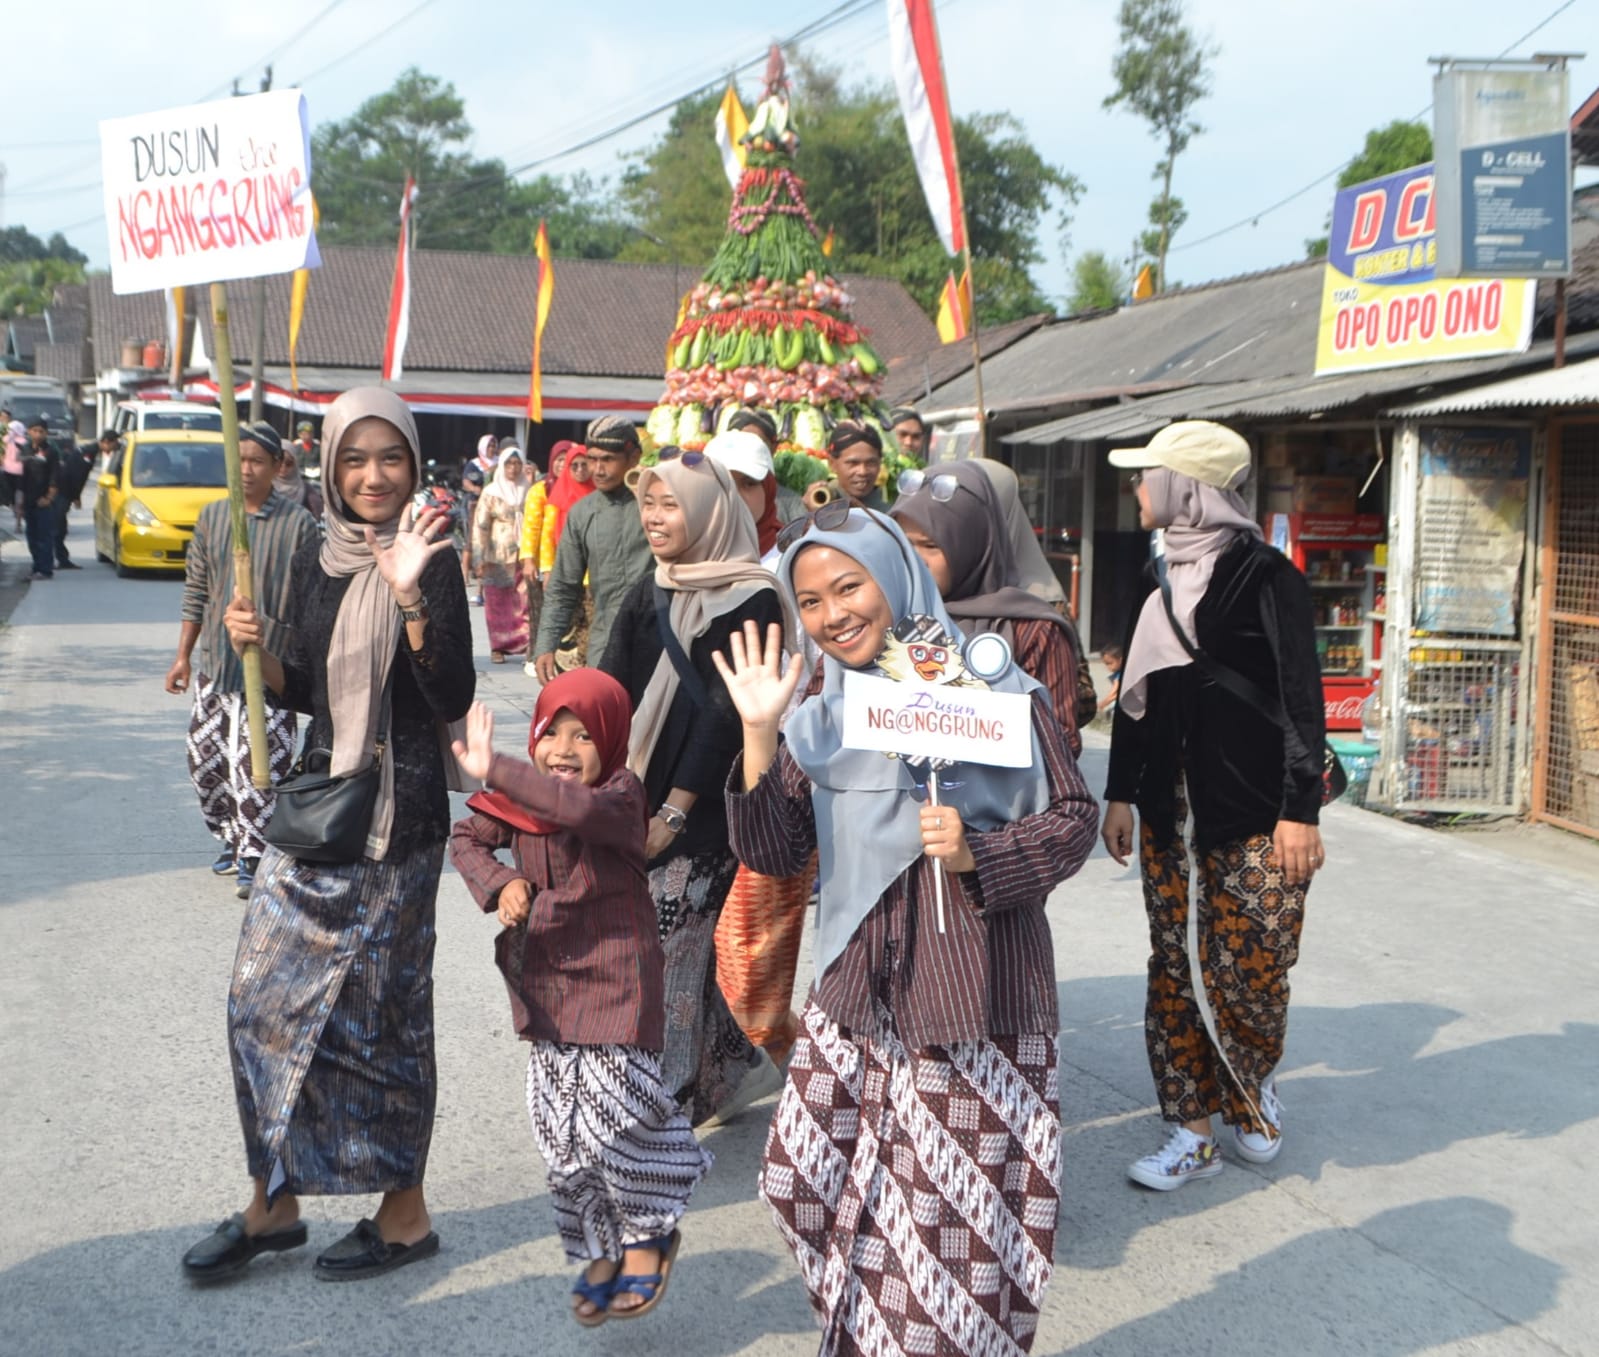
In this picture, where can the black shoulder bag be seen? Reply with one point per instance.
(1334, 779)
(687, 674)
(321, 818)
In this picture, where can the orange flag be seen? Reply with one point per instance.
(535, 395)
(827, 242)
(955, 309)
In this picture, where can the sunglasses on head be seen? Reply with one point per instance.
(670, 454)
(832, 516)
(941, 486)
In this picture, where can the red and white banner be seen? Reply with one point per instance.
(919, 77)
(400, 293)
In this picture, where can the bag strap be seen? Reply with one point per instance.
(687, 675)
(1245, 690)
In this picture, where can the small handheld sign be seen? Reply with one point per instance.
(935, 709)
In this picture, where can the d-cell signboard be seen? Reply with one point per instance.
(1502, 140)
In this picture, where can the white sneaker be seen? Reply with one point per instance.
(1256, 1146)
(763, 1080)
(1183, 1156)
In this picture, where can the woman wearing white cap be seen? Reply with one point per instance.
(1220, 719)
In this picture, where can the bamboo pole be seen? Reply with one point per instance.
(243, 575)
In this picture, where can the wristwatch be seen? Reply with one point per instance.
(672, 817)
(415, 614)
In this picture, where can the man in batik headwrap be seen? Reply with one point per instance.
(603, 542)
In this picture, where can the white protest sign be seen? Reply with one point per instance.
(209, 192)
(938, 721)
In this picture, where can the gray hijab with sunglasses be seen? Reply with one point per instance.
(868, 827)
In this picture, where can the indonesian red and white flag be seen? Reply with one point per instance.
(400, 292)
(919, 77)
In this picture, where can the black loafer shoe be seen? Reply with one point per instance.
(227, 1249)
(363, 1253)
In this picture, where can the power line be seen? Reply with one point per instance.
(275, 53)
(1253, 219)
(356, 51)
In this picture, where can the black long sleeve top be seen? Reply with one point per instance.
(433, 684)
(699, 741)
(1244, 770)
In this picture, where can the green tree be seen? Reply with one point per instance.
(1098, 283)
(861, 183)
(1161, 71)
(1388, 150)
(19, 245)
(27, 287)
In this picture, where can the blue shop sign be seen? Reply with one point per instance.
(1515, 215)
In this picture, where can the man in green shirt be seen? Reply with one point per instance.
(603, 541)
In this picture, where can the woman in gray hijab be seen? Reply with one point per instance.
(916, 1039)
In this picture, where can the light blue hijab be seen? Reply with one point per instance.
(868, 829)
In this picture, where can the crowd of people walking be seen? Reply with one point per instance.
(688, 790)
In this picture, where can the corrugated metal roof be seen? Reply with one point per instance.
(1574, 385)
(1281, 397)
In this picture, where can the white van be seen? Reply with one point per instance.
(141, 416)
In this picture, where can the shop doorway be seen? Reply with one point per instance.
(1566, 771)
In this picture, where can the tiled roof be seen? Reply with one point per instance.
(27, 332)
(66, 362)
(911, 376)
(473, 312)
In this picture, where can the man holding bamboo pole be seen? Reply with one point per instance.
(235, 810)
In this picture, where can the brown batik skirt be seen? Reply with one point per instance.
(1248, 926)
(918, 1190)
(330, 1022)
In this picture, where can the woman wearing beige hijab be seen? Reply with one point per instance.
(330, 1014)
(707, 583)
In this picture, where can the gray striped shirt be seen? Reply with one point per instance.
(276, 530)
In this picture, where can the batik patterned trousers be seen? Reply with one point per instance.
(918, 1190)
(621, 1157)
(1249, 924)
(236, 811)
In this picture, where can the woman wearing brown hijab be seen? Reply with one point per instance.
(957, 524)
(330, 1013)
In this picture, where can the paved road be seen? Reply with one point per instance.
(1442, 1082)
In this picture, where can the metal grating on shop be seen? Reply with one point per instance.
(1461, 700)
(1566, 789)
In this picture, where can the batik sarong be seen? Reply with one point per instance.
(621, 1157)
(757, 953)
(918, 1190)
(1249, 922)
(707, 1054)
(235, 810)
(330, 1022)
(505, 613)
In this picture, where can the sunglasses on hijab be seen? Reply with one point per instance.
(830, 517)
(941, 486)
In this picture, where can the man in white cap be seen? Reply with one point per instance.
(1220, 728)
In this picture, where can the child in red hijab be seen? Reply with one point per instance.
(581, 957)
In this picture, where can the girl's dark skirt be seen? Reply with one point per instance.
(330, 1022)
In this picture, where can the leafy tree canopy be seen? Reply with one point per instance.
(1098, 283)
(19, 245)
(861, 183)
(1388, 150)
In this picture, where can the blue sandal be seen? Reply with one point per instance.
(652, 1286)
(597, 1294)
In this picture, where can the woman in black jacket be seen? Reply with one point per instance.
(707, 583)
(1234, 738)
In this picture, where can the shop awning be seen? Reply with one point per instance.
(1577, 384)
(488, 394)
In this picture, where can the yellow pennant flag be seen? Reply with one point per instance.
(955, 309)
(297, 293)
(731, 125)
(1145, 286)
(535, 394)
(827, 243)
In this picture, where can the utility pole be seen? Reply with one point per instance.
(258, 366)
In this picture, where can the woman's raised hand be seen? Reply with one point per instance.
(401, 562)
(476, 756)
(757, 680)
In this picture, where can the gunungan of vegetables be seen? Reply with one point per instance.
(767, 326)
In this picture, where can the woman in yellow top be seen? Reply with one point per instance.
(529, 553)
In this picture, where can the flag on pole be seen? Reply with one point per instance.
(955, 309)
(297, 293)
(399, 328)
(1145, 286)
(541, 314)
(177, 311)
(731, 124)
(919, 77)
(827, 243)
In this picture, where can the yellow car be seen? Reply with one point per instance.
(151, 495)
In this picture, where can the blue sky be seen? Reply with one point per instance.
(1297, 85)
